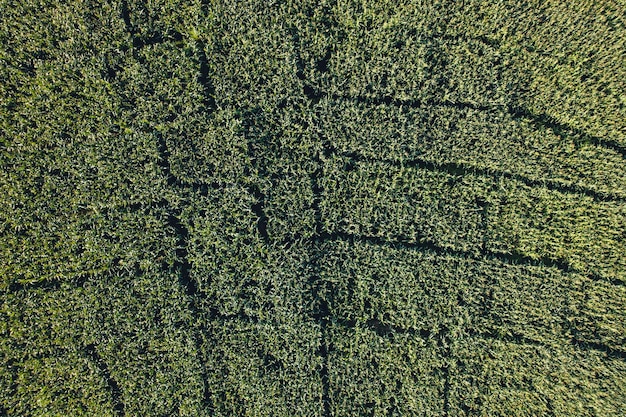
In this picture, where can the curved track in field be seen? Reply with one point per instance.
(321, 209)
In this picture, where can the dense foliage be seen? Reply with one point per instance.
(312, 208)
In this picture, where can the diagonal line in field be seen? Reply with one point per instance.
(456, 169)
(116, 392)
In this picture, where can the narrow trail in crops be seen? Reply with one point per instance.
(182, 266)
(517, 112)
(155, 38)
(563, 130)
(39, 285)
(258, 209)
(13, 387)
(443, 342)
(389, 331)
(508, 258)
(322, 317)
(457, 169)
(321, 314)
(391, 101)
(116, 392)
(443, 336)
(543, 121)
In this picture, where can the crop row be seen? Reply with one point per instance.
(457, 52)
(473, 213)
(412, 320)
(491, 140)
(311, 209)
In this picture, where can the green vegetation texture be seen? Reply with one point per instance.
(313, 208)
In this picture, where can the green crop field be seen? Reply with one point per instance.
(313, 208)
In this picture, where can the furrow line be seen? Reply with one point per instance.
(517, 113)
(321, 315)
(47, 285)
(116, 392)
(381, 329)
(444, 344)
(321, 312)
(600, 347)
(259, 210)
(457, 169)
(563, 130)
(240, 315)
(411, 103)
(182, 264)
(140, 41)
(464, 38)
(582, 345)
(387, 330)
(508, 258)
(14, 385)
(204, 79)
(126, 18)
